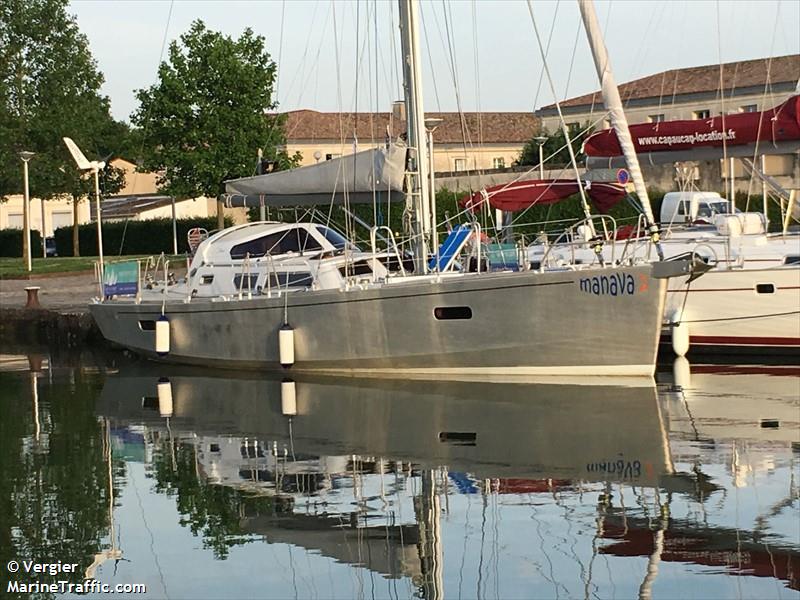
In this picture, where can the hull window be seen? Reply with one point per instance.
(241, 281)
(296, 279)
(459, 438)
(765, 288)
(791, 260)
(444, 313)
(149, 403)
(147, 325)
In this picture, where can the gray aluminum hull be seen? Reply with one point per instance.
(552, 323)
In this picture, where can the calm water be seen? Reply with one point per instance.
(220, 485)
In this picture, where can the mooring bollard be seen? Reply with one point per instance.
(33, 297)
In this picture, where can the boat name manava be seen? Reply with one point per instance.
(616, 284)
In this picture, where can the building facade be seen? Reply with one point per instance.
(461, 141)
(690, 93)
(58, 212)
(694, 93)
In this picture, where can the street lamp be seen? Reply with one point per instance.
(93, 166)
(541, 139)
(26, 217)
(431, 123)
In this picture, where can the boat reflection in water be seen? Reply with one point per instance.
(380, 474)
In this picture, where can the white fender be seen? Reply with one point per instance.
(679, 332)
(681, 373)
(162, 336)
(288, 398)
(286, 346)
(164, 391)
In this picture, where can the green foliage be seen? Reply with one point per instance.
(132, 237)
(554, 150)
(50, 88)
(211, 511)
(204, 120)
(11, 242)
(54, 489)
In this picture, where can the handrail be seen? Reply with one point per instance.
(570, 234)
(373, 235)
(273, 271)
(245, 271)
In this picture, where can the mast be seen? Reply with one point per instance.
(415, 128)
(613, 104)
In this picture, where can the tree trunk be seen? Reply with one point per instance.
(76, 244)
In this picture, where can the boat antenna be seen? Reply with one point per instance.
(613, 105)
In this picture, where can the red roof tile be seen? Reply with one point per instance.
(693, 80)
(489, 127)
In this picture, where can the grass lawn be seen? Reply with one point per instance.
(15, 267)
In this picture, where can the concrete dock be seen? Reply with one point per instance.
(60, 293)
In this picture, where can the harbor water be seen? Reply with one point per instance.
(191, 483)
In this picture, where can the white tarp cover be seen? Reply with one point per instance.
(358, 176)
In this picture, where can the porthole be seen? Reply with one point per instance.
(445, 313)
(147, 325)
(765, 288)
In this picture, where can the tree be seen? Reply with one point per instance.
(204, 120)
(50, 88)
(555, 147)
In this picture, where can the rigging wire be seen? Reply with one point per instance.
(547, 52)
(147, 121)
(732, 196)
(564, 128)
(767, 84)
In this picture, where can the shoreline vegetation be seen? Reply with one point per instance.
(14, 268)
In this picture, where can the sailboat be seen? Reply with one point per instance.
(319, 303)
(748, 301)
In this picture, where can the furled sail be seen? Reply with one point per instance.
(357, 177)
(520, 195)
(776, 131)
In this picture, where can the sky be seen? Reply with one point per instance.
(478, 54)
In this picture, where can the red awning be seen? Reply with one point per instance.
(775, 126)
(520, 195)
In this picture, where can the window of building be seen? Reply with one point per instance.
(499, 163)
(332, 156)
(15, 221)
(659, 118)
(460, 164)
(749, 108)
(701, 114)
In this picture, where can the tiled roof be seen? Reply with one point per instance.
(489, 127)
(694, 80)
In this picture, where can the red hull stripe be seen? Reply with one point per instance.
(725, 340)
